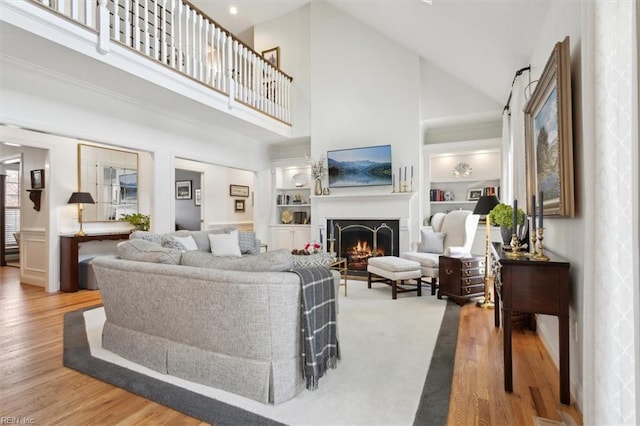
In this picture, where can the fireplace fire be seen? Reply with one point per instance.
(358, 240)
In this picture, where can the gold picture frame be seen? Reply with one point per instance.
(549, 136)
(238, 191)
(272, 56)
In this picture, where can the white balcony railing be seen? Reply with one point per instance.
(179, 36)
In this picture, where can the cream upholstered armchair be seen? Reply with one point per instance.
(451, 235)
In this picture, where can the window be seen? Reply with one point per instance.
(12, 204)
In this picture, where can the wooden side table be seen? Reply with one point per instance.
(340, 265)
(539, 288)
(69, 245)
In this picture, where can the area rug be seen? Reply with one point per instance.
(396, 367)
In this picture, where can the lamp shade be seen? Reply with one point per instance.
(81, 198)
(485, 204)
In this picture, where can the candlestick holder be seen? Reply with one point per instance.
(331, 245)
(515, 252)
(404, 186)
(534, 246)
(539, 255)
(411, 183)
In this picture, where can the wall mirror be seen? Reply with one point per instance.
(111, 176)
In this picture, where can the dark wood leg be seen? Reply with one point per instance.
(419, 281)
(508, 373)
(497, 305)
(563, 332)
(394, 290)
(433, 282)
(439, 295)
(369, 281)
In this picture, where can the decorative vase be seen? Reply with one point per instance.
(506, 235)
(318, 190)
(325, 190)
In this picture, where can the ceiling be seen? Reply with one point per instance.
(481, 42)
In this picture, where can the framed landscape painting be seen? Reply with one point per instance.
(368, 166)
(549, 137)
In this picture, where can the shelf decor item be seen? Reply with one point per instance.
(462, 170)
(318, 171)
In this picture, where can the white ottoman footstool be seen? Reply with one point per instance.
(391, 269)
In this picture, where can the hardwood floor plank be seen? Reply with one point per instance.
(34, 383)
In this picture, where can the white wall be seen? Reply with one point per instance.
(443, 95)
(290, 32)
(364, 92)
(565, 236)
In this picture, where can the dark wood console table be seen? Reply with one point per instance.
(69, 256)
(539, 288)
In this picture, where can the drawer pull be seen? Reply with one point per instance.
(467, 290)
(466, 264)
(467, 273)
(467, 281)
(448, 271)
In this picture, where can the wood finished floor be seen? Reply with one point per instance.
(34, 384)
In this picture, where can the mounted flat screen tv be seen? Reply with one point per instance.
(368, 166)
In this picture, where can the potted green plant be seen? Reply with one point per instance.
(502, 215)
(141, 222)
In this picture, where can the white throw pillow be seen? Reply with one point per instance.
(225, 244)
(187, 242)
(431, 242)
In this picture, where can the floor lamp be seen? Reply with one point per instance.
(485, 204)
(80, 198)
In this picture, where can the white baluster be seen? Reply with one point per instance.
(75, 14)
(145, 25)
(180, 57)
(127, 23)
(163, 33)
(172, 43)
(209, 52)
(229, 72)
(156, 31)
(103, 27)
(136, 25)
(194, 46)
(116, 20)
(46, 3)
(61, 6)
(220, 84)
(201, 49)
(88, 13)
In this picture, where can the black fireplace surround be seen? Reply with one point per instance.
(358, 239)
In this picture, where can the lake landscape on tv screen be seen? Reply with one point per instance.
(370, 166)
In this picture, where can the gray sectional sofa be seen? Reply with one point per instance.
(223, 322)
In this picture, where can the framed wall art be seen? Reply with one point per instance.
(183, 190)
(37, 179)
(198, 197)
(474, 194)
(549, 137)
(238, 190)
(272, 56)
(239, 206)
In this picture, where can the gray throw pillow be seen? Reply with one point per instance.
(431, 242)
(141, 250)
(247, 242)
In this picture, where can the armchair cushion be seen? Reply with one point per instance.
(431, 242)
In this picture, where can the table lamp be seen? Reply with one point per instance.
(485, 204)
(80, 198)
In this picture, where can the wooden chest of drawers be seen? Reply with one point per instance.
(461, 278)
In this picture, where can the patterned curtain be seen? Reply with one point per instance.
(610, 116)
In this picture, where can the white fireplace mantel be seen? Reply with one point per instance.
(389, 205)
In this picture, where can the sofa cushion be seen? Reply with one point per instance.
(273, 261)
(429, 260)
(248, 243)
(225, 244)
(202, 237)
(187, 242)
(142, 250)
(431, 242)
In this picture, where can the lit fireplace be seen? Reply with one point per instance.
(358, 240)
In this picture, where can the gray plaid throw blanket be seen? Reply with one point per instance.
(320, 350)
